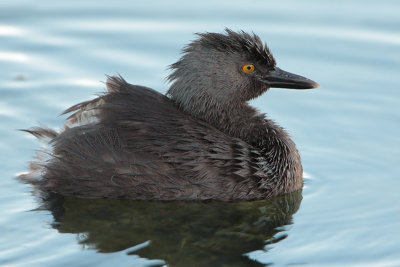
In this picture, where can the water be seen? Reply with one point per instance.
(55, 54)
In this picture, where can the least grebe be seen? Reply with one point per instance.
(201, 141)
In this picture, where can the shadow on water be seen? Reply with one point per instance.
(181, 233)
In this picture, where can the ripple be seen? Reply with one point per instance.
(11, 31)
(14, 57)
(340, 33)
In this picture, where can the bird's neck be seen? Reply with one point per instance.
(238, 120)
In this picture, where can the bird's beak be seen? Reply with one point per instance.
(283, 79)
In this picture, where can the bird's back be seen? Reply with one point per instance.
(134, 142)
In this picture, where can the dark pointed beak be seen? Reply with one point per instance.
(283, 79)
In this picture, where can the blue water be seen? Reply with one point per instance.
(54, 54)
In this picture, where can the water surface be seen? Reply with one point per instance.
(55, 54)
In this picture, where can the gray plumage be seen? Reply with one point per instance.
(201, 141)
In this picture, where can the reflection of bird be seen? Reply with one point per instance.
(195, 234)
(202, 142)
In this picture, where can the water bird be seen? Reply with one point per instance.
(200, 141)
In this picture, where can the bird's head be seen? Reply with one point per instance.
(228, 68)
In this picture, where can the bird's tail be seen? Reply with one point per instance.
(37, 166)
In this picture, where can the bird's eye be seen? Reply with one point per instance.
(248, 68)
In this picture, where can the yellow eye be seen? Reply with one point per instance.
(248, 68)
